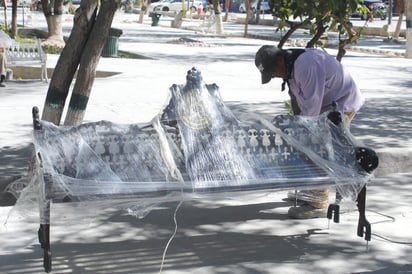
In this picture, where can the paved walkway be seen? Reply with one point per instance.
(383, 123)
(250, 234)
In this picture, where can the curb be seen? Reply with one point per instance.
(388, 53)
(363, 49)
(393, 161)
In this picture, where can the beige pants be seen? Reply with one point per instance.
(2, 62)
(319, 198)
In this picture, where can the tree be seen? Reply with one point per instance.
(91, 27)
(89, 60)
(318, 16)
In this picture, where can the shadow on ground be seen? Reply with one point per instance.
(209, 238)
(13, 163)
(384, 123)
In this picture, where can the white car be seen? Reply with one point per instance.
(264, 7)
(175, 5)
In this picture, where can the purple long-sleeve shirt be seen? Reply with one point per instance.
(318, 79)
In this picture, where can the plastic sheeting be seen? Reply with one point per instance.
(5, 40)
(194, 147)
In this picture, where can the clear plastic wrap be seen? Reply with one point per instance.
(194, 147)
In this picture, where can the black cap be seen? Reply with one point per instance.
(265, 61)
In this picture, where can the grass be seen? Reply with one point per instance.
(130, 55)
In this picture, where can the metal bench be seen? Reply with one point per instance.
(185, 152)
(27, 54)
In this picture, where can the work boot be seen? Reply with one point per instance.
(306, 211)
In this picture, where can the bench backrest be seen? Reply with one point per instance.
(200, 144)
(290, 155)
(26, 52)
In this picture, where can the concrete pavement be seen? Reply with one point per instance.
(246, 235)
(376, 64)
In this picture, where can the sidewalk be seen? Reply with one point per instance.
(247, 235)
(382, 124)
(392, 145)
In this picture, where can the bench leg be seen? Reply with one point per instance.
(44, 76)
(44, 240)
(333, 209)
(364, 227)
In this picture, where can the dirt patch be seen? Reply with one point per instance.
(130, 55)
(25, 73)
(190, 42)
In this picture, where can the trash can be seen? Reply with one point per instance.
(111, 47)
(155, 18)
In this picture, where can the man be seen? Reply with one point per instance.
(2, 66)
(315, 80)
(5, 41)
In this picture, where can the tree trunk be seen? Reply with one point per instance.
(247, 5)
(219, 23)
(54, 25)
(89, 61)
(320, 30)
(292, 29)
(398, 26)
(13, 19)
(141, 15)
(350, 36)
(400, 19)
(227, 7)
(218, 17)
(53, 11)
(408, 13)
(5, 14)
(143, 10)
(257, 15)
(68, 62)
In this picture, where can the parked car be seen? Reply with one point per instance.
(378, 8)
(264, 7)
(175, 5)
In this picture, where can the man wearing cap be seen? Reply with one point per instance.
(3, 70)
(5, 41)
(315, 80)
